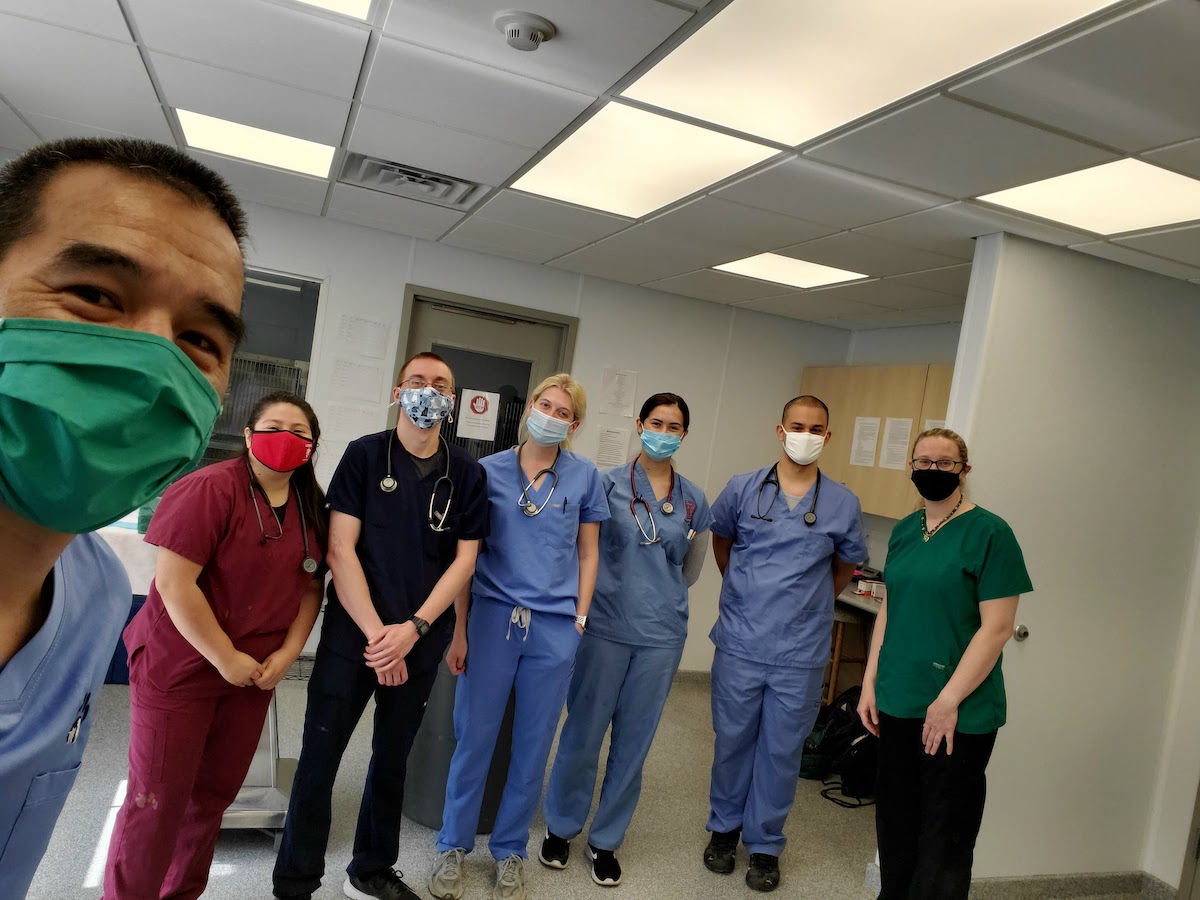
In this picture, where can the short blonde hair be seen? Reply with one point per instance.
(573, 389)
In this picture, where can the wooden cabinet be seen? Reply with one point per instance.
(917, 393)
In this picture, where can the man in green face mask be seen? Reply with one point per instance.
(120, 290)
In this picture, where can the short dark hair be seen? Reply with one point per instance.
(804, 400)
(425, 355)
(24, 179)
(666, 399)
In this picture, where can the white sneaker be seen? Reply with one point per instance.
(446, 881)
(510, 879)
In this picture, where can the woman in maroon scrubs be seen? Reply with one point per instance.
(237, 587)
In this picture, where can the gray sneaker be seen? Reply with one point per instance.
(446, 882)
(510, 879)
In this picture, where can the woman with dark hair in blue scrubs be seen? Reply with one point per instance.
(651, 552)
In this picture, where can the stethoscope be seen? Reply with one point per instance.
(667, 507)
(309, 565)
(528, 506)
(437, 521)
(810, 517)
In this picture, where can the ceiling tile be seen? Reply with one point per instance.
(596, 44)
(1131, 83)
(435, 147)
(812, 305)
(384, 211)
(641, 254)
(758, 229)
(270, 187)
(251, 101)
(942, 145)
(1181, 244)
(490, 250)
(468, 96)
(719, 287)
(899, 319)
(282, 43)
(1183, 157)
(815, 193)
(858, 252)
(551, 216)
(953, 280)
(14, 134)
(112, 91)
(888, 293)
(952, 229)
(52, 129)
(1138, 260)
(531, 244)
(102, 17)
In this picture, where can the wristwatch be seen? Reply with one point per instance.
(581, 621)
(421, 625)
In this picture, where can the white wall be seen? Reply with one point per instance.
(1083, 432)
(904, 346)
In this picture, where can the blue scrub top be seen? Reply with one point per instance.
(52, 683)
(777, 593)
(641, 597)
(533, 561)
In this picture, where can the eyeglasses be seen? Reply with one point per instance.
(416, 384)
(943, 465)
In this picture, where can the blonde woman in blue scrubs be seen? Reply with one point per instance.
(651, 552)
(527, 610)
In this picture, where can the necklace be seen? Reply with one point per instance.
(926, 532)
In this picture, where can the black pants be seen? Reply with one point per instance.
(337, 695)
(928, 811)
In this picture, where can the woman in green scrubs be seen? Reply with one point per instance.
(933, 691)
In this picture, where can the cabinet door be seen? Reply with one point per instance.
(937, 395)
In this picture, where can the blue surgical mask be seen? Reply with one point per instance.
(425, 406)
(545, 430)
(660, 445)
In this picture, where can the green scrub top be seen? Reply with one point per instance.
(934, 589)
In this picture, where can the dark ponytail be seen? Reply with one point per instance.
(308, 489)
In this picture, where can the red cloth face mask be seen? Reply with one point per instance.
(280, 450)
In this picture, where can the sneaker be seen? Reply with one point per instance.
(555, 851)
(606, 871)
(446, 881)
(718, 855)
(384, 886)
(763, 874)
(510, 879)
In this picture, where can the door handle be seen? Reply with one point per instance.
(1020, 633)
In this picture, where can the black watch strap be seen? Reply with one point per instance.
(421, 625)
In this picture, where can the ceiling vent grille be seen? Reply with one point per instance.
(409, 182)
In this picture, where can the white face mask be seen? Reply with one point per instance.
(803, 448)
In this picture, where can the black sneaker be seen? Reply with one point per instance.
(763, 874)
(384, 886)
(555, 851)
(718, 855)
(606, 871)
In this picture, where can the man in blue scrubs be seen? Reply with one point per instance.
(120, 290)
(786, 539)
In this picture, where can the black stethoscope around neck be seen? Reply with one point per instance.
(527, 505)
(309, 564)
(666, 506)
(810, 517)
(437, 521)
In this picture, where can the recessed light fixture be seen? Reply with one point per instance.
(791, 71)
(787, 270)
(255, 144)
(630, 162)
(358, 9)
(1126, 195)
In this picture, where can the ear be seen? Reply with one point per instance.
(828, 435)
(396, 394)
(638, 424)
(780, 433)
(574, 426)
(247, 434)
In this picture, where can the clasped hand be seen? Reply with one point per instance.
(386, 650)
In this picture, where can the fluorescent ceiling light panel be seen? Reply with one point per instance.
(359, 9)
(790, 71)
(786, 270)
(630, 162)
(255, 144)
(1126, 195)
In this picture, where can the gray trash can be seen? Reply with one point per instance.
(429, 760)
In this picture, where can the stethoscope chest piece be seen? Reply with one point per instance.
(309, 565)
(668, 507)
(810, 518)
(387, 484)
(530, 509)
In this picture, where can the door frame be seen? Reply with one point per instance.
(1188, 887)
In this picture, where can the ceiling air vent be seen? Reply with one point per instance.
(411, 183)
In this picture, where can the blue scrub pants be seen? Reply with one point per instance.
(627, 686)
(538, 664)
(761, 716)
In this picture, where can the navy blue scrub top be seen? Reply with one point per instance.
(402, 557)
(48, 695)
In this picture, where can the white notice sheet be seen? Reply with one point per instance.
(619, 392)
(356, 381)
(934, 423)
(477, 417)
(896, 434)
(866, 436)
(363, 335)
(614, 447)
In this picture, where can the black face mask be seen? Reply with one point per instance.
(934, 484)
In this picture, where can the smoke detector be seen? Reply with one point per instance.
(522, 30)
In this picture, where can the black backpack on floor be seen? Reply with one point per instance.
(841, 746)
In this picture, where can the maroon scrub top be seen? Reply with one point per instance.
(254, 588)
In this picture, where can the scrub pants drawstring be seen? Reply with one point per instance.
(520, 617)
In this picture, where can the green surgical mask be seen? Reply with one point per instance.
(95, 421)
